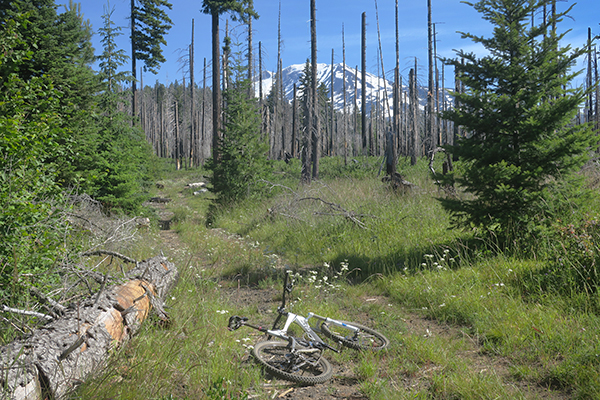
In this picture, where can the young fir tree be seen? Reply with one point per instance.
(122, 157)
(518, 118)
(241, 9)
(243, 150)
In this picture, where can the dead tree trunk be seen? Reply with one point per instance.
(178, 144)
(216, 88)
(395, 140)
(363, 58)
(193, 140)
(279, 116)
(358, 145)
(205, 143)
(260, 92)
(430, 122)
(589, 80)
(315, 128)
(414, 107)
(56, 358)
(133, 64)
(597, 105)
(436, 119)
(345, 116)
(332, 140)
(282, 110)
(250, 61)
(294, 148)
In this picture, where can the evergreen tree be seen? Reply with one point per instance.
(111, 59)
(215, 8)
(518, 117)
(149, 25)
(120, 164)
(304, 91)
(64, 55)
(243, 150)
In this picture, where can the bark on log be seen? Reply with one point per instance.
(56, 358)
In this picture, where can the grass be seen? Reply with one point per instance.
(466, 320)
(397, 229)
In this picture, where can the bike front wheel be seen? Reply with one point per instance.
(303, 365)
(365, 339)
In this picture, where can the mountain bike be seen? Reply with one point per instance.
(300, 359)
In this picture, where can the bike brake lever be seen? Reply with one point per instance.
(235, 322)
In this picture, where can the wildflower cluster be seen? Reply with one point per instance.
(325, 282)
(442, 264)
(344, 268)
(243, 342)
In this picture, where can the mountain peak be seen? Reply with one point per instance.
(377, 88)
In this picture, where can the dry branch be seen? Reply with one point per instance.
(338, 210)
(28, 313)
(56, 307)
(57, 357)
(109, 253)
(289, 208)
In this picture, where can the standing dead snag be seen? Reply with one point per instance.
(59, 356)
(447, 167)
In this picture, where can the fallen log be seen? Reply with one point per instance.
(56, 358)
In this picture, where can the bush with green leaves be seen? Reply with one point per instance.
(520, 139)
(30, 131)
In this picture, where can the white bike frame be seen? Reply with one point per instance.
(310, 331)
(303, 322)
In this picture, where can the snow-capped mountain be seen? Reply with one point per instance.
(377, 87)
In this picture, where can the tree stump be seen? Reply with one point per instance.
(57, 357)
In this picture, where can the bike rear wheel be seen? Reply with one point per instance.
(365, 339)
(302, 366)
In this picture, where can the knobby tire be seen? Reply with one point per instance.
(277, 359)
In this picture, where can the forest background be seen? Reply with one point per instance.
(69, 131)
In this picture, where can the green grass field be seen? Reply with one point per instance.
(466, 320)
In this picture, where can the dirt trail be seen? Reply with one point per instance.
(345, 384)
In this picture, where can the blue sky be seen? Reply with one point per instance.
(450, 16)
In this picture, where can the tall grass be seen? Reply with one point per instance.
(503, 327)
(390, 230)
(536, 304)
